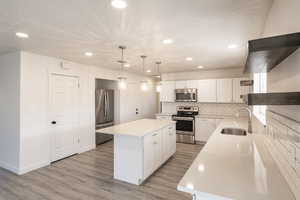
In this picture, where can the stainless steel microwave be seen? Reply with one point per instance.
(186, 95)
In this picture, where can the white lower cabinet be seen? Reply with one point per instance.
(158, 148)
(204, 128)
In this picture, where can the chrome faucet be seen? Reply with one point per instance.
(249, 118)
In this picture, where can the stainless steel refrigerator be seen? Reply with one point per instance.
(104, 104)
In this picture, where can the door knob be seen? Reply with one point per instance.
(53, 122)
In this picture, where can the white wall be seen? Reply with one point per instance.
(9, 111)
(33, 133)
(283, 19)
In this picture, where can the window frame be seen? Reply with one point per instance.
(260, 86)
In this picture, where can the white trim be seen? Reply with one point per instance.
(86, 148)
(9, 167)
(32, 167)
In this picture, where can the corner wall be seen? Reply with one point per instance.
(10, 111)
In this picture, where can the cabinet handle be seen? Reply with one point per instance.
(154, 134)
(154, 142)
(194, 197)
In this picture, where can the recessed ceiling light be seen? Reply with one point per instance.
(22, 35)
(168, 41)
(200, 67)
(119, 4)
(148, 71)
(89, 54)
(127, 65)
(232, 46)
(189, 58)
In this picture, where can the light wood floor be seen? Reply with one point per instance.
(89, 176)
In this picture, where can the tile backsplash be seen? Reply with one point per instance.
(207, 108)
(283, 141)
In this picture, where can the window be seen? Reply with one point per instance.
(260, 86)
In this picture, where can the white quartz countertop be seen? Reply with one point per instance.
(213, 116)
(165, 114)
(138, 128)
(235, 167)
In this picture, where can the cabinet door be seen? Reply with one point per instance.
(180, 84)
(239, 90)
(192, 84)
(165, 142)
(224, 90)
(171, 140)
(157, 146)
(167, 93)
(204, 128)
(207, 90)
(148, 155)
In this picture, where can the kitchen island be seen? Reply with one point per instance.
(141, 147)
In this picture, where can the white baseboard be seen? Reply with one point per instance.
(35, 166)
(26, 169)
(9, 167)
(86, 148)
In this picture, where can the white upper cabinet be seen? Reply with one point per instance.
(192, 84)
(186, 84)
(167, 93)
(239, 90)
(180, 84)
(224, 90)
(207, 90)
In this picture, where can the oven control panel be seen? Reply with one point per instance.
(188, 108)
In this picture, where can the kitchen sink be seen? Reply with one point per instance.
(234, 131)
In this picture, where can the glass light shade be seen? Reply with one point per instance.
(119, 4)
(122, 83)
(144, 86)
(158, 88)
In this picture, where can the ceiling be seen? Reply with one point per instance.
(201, 29)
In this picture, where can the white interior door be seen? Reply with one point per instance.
(131, 99)
(64, 100)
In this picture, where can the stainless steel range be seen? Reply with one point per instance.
(185, 123)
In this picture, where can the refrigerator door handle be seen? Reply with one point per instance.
(108, 106)
(105, 105)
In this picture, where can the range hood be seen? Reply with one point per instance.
(287, 98)
(266, 53)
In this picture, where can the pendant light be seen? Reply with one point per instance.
(122, 79)
(144, 84)
(158, 85)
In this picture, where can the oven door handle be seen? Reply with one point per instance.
(183, 118)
